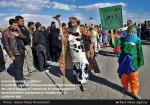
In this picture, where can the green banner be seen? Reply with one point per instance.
(111, 17)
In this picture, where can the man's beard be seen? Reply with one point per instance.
(73, 29)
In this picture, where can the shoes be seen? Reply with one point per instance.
(74, 76)
(48, 67)
(124, 91)
(21, 85)
(82, 87)
(42, 70)
(137, 97)
(47, 71)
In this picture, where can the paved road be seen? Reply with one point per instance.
(105, 85)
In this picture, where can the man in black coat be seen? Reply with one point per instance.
(39, 43)
(55, 42)
(2, 62)
(46, 35)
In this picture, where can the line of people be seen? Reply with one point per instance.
(29, 48)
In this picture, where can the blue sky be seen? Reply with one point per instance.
(43, 10)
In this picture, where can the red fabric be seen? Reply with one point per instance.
(105, 45)
(117, 49)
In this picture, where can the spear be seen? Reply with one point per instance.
(57, 17)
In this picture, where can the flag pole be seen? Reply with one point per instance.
(112, 36)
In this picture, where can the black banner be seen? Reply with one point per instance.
(76, 102)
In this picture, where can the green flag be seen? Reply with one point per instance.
(111, 17)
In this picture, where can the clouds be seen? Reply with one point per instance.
(44, 19)
(57, 5)
(78, 15)
(81, 17)
(25, 4)
(34, 5)
(7, 3)
(40, 10)
(70, 0)
(30, 10)
(100, 5)
(135, 17)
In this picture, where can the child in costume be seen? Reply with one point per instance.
(117, 42)
(105, 39)
(131, 58)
